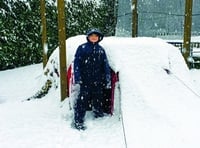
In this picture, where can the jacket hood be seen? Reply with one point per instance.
(95, 31)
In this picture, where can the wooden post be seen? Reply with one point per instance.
(187, 30)
(44, 32)
(134, 19)
(62, 48)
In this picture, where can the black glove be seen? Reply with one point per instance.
(108, 85)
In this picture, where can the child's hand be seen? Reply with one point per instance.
(108, 85)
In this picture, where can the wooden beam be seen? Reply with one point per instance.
(134, 19)
(62, 49)
(187, 30)
(44, 32)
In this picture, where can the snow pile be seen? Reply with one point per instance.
(156, 106)
(159, 101)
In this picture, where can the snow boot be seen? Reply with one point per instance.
(79, 126)
(98, 114)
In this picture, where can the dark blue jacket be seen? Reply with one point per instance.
(91, 65)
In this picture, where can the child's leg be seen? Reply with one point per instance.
(97, 100)
(80, 107)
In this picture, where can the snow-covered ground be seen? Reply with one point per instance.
(159, 110)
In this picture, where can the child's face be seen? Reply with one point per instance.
(93, 38)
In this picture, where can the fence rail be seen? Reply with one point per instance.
(180, 44)
(194, 52)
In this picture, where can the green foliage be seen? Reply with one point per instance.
(108, 15)
(20, 37)
(20, 27)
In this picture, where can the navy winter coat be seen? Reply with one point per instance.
(91, 65)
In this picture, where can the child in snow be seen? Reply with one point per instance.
(92, 75)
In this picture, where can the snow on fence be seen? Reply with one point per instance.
(194, 51)
(180, 45)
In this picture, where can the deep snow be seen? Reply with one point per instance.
(159, 110)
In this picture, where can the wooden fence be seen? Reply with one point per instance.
(194, 52)
(180, 45)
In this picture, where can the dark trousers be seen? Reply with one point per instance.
(91, 96)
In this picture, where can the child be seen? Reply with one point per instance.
(92, 74)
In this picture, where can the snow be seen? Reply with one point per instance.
(158, 110)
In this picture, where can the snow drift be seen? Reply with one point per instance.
(157, 94)
(158, 104)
